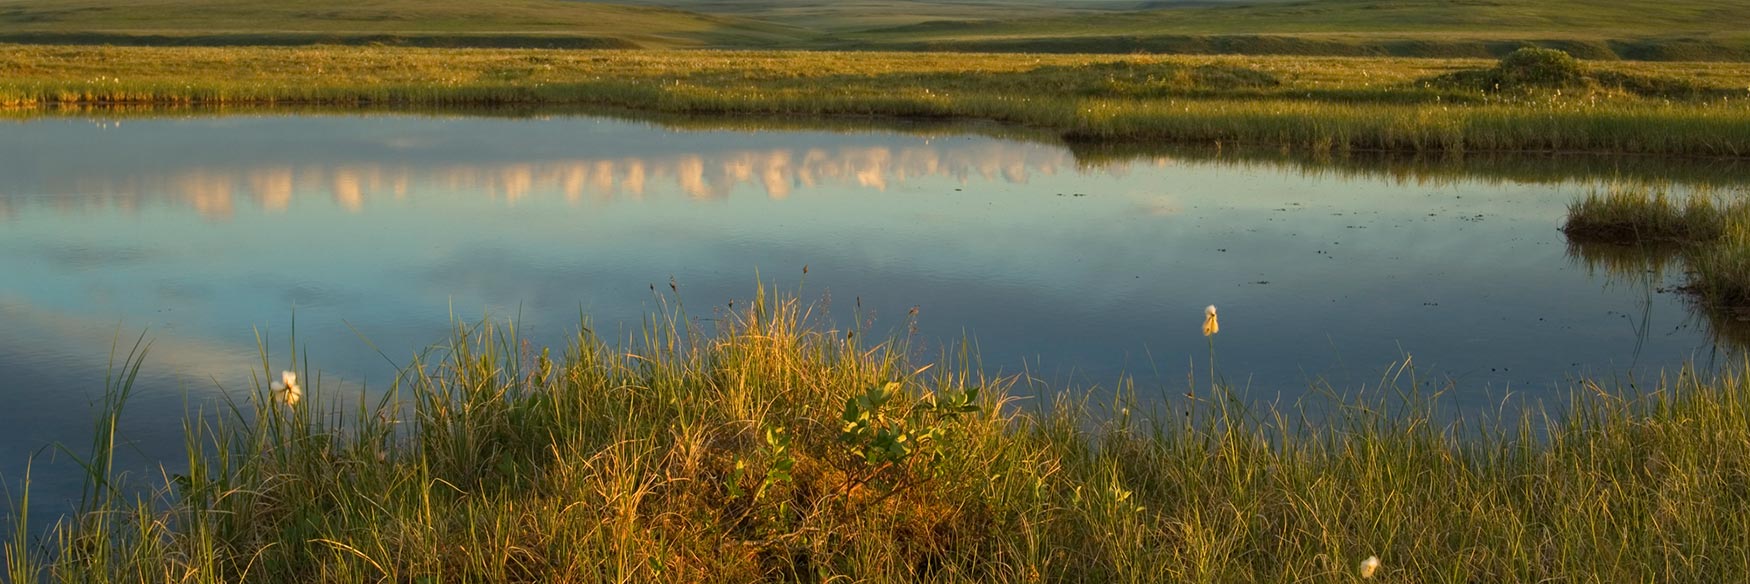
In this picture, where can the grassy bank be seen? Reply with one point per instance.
(772, 447)
(1324, 105)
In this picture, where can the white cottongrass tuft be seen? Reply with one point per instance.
(1369, 566)
(1210, 324)
(286, 389)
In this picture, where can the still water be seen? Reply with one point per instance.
(205, 232)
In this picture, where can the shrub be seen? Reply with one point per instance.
(1534, 67)
(1527, 68)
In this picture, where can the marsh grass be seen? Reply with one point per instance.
(1722, 268)
(1313, 104)
(1631, 214)
(773, 447)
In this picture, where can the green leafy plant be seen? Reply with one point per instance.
(778, 440)
(889, 440)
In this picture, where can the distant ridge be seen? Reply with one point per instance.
(1699, 30)
(483, 41)
(1671, 30)
(431, 23)
(1634, 49)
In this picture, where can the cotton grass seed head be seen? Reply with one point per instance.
(1210, 324)
(286, 389)
(1369, 566)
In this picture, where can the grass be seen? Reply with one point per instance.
(1681, 30)
(775, 447)
(1321, 105)
(1603, 29)
(516, 23)
(1722, 268)
(1631, 228)
(1641, 214)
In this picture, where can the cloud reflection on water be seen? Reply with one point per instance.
(214, 192)
(395, 219)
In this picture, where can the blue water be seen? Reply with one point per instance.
(209, 233)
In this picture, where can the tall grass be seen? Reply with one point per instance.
(1722, 268)
(1320, 105)
(1650, 214)
(774, 447)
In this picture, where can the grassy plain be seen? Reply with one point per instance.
(773, 446)
(515, 23)
(1677, 30)
(1318, 104)
(1602, 29)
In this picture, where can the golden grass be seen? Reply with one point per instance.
(1319, 104)
(777, 448)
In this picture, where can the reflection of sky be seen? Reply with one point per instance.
(356, 162)
(204, 230)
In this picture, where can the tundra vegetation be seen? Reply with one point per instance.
(1533, 100)
(770, 445)
(1680, 30)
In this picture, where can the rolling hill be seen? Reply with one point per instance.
(1599, 29)
(508, 23)
(1671, 30)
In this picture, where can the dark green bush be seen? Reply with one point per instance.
(1527, 68)
(1534, 67)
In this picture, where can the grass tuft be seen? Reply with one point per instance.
(1644, 214)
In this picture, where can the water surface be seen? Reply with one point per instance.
(207, 232)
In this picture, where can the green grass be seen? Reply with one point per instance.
(1604, 29)
(1316, 104)
(1328, 16)
(775, 447)
(1722, 268)
(1680, 30)
(843, 16)
(1640, 228)
(1639, 214)
(516, 23)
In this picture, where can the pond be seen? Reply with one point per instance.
(1074, 267)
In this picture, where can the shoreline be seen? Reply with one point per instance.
(1308, 104)
(767, 447)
